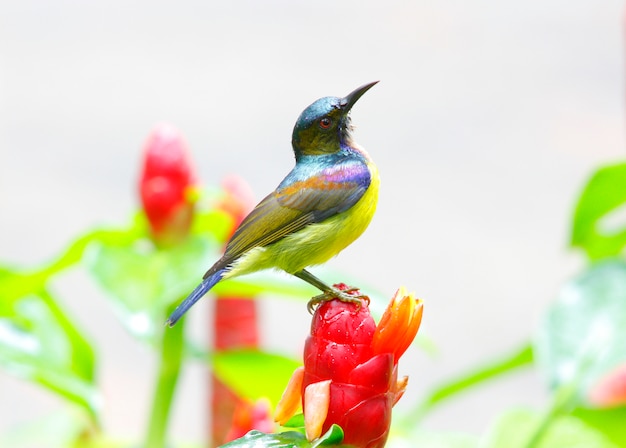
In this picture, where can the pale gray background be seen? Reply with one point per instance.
(488, 119)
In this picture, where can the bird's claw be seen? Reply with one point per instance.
(342, 295)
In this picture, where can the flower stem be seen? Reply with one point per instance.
(171, 346)
(519, 358)
(564, 400)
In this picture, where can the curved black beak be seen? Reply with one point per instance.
(348, 101)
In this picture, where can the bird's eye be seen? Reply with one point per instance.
(325, 123)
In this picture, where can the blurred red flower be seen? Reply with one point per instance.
(238, 201)
(610, 390)
(167, 185)
(350, 373)
(249, 416)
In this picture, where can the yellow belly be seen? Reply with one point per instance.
(316, 243)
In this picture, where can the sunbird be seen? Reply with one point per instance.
(323, 205)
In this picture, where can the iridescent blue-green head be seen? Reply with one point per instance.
(325, 125)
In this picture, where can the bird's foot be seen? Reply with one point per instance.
(345, 294)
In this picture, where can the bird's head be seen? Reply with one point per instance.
(325, 125)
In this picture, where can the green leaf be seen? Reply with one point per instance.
(517, 428)
(39, 343)
(76, 250)
(332, 437)
(610, 422)
(289, 439)
(257, 439)
(583, 333)
(599, 225)
(297, 421)
(142, 281)
(254, 374)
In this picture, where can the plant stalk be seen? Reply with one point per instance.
(172, 344)
(563, 402)
(520, 358)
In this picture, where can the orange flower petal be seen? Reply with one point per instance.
(316, 401)
(399, 324)
(412, 327)
(291, 399)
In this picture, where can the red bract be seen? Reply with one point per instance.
(166, 185)
(235, 327)
(350, 373)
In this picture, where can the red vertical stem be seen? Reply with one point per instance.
(235, 327)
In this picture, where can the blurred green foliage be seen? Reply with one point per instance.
(40, 342)
(581, 336)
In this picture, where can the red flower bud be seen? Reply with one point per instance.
(166, 185)
(238, 201)
(350, 374)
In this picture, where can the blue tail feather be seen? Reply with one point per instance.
(195, 295)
